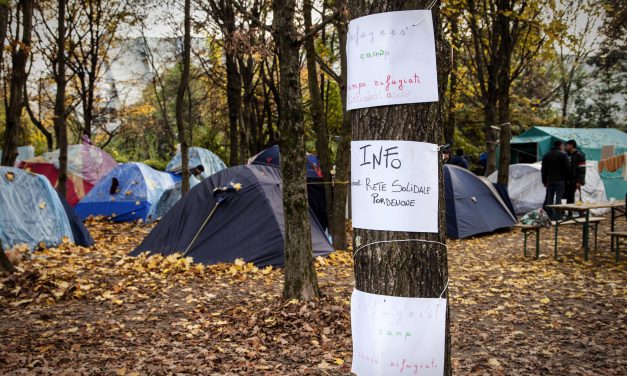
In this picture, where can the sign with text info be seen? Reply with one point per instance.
(391, 59)
(397, 336)
(394, 186)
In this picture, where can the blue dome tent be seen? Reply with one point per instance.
(315, 190)
(128, 193)
(473, 205)
(30, 210)
(247, 223)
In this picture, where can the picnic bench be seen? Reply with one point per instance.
(589, 221)
(618, 238)
(526, 230)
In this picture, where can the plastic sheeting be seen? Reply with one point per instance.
(247, 224)
(23, 152)
(198, 156)
(87, 164)
(172, 196)
(128, 193)
(527, 192)
(30, 210)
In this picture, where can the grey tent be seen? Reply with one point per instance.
(247, 223)
(473, 205)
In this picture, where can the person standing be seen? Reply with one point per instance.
(554, 175)
(576, 171)
(459, 159)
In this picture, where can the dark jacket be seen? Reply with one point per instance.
(555, 166)
(458, 161)
(577, 168)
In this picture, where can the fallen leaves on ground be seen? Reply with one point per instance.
(98, 311)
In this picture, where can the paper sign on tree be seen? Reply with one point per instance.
(394, 185)
(391, 59)
(394, 335)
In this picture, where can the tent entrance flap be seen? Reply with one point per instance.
(524, 152)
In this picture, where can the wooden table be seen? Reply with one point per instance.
(584, 212)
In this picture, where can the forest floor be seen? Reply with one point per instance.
(96, 311)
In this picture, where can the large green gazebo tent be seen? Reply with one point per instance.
(531, 145)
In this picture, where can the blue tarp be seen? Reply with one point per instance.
(473, 206)
(128, 193)
(247, 224)
(30, 210)
(198, 156)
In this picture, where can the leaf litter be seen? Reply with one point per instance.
(75, 310)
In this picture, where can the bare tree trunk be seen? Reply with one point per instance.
(19, 59)
(300, 276)
(37, 123)
(451, 121)
(408, 269)
(504, 60)
(59, 104)
(180, 102)
(317, 107)
(4, 23)
(5, 263)
(342, 158)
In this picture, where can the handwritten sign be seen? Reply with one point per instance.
(393, 335)
(391, 59)
(394, 185)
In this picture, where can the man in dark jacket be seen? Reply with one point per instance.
(459, 159)
(554, 175)
(576, 171)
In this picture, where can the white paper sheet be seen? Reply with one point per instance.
(391, 59)
(397, 336)
(394, 185)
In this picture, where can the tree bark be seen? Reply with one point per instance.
(19, 59)
(300, 276)
(317, 107)
(451, 120)
(409, 269)
(4, 24)
(180, 101)
(504, 60)
(59, 104)
(342, 157)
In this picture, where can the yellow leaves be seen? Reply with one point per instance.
(20, 302)
(569, 314)
(10, 176)
(545, 300)
(338, 361)
(42, 205)
(493, 362)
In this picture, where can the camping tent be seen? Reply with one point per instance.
(30, 210)
(247, 224)
(315, 189)
(473, 206)
(128, 193)
(87, 164)
(527, 192)
(198, 156)
(531, 145)
(170, 197)
(79, 231)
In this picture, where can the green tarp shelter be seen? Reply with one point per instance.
(531, 145)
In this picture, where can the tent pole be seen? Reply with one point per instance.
(200, 229)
